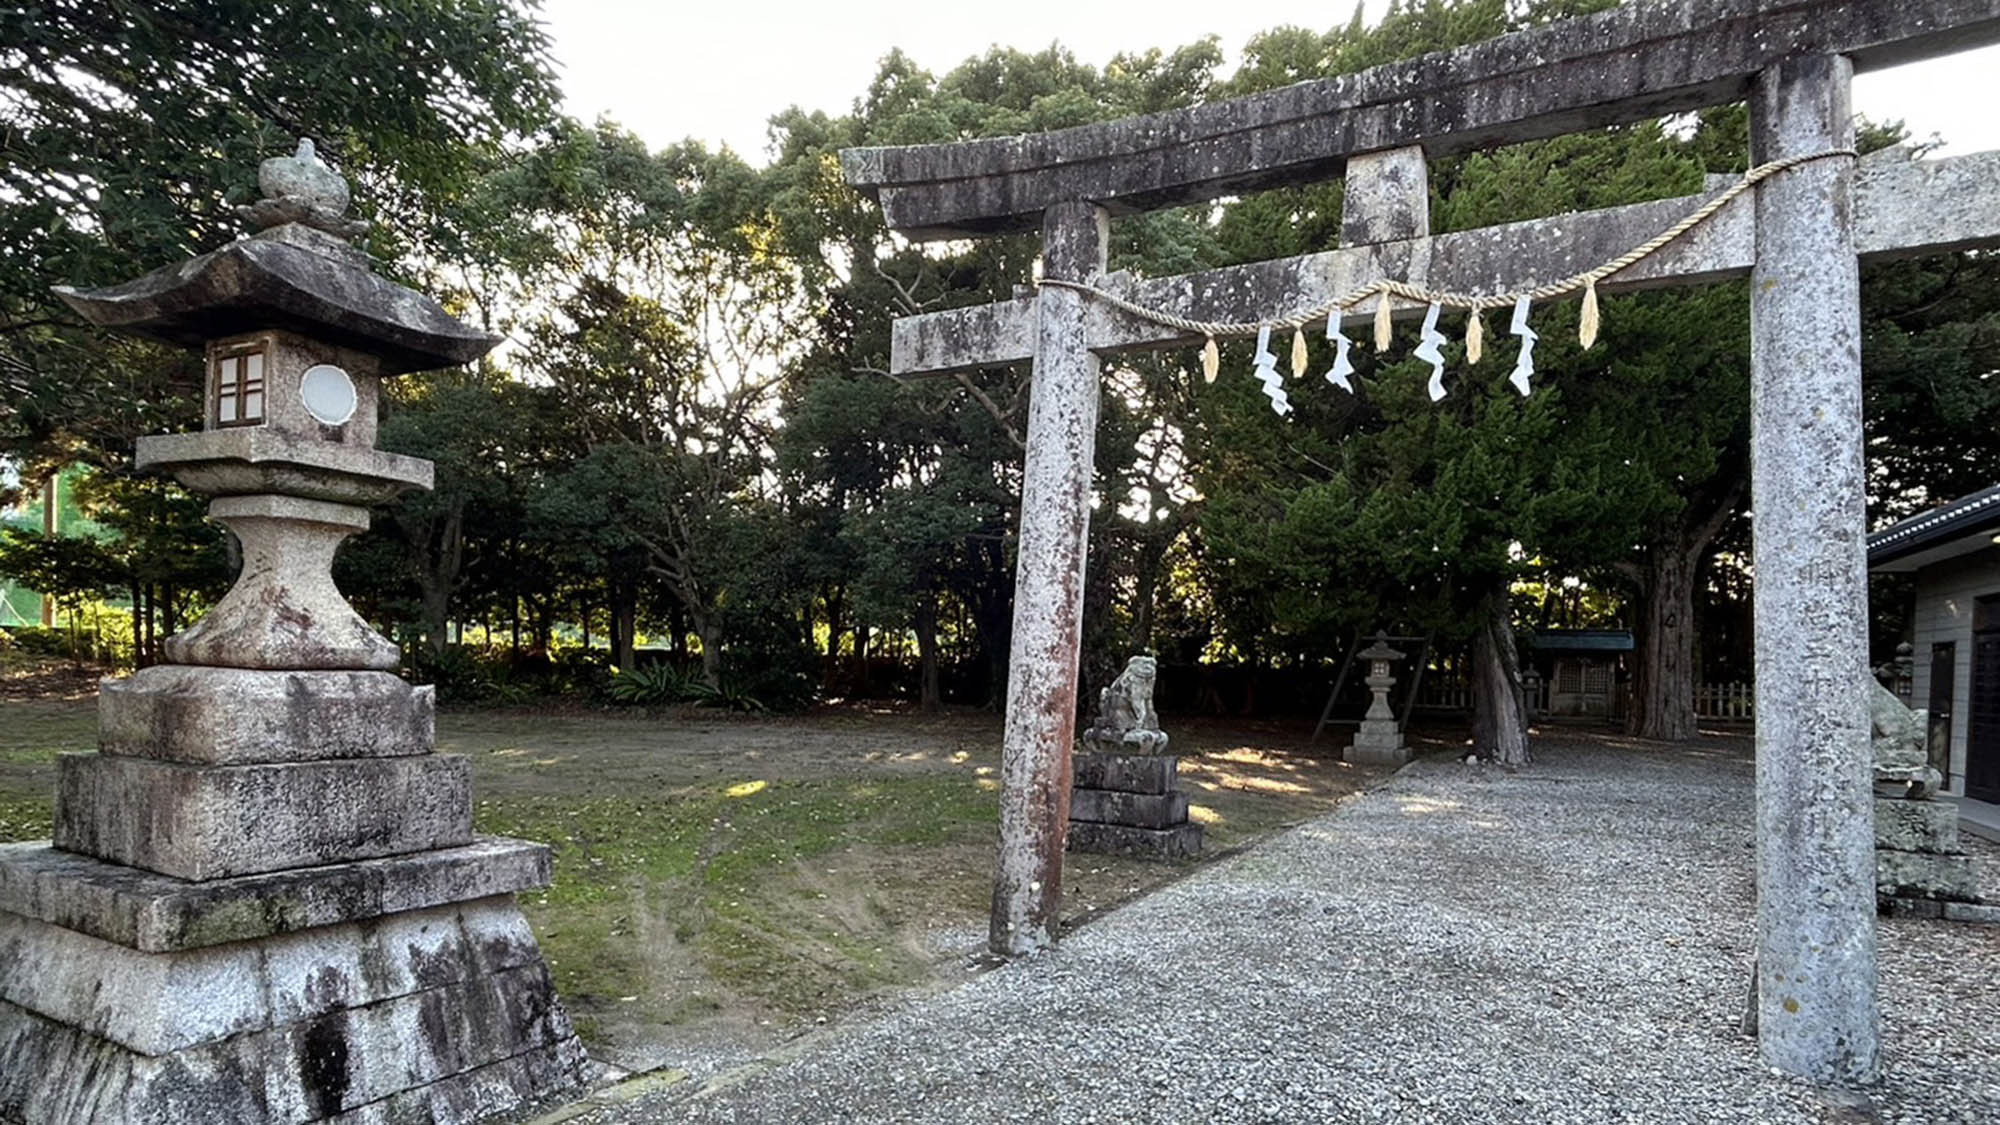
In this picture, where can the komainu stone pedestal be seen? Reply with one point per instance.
(1918, 859)
(1131, 804)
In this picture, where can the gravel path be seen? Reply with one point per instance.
(1567, 944)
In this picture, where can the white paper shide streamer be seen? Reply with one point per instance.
(1525, 365)
(1267, 373)
(1342, 366)
(1428, 351)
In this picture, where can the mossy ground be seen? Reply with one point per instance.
(731, 879)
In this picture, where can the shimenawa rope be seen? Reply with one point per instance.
(1474, 303)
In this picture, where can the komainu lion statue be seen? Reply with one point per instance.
(1126, 722)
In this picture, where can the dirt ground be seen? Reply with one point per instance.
(724, 883)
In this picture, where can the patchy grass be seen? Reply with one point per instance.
(721, 880)
(739, 883)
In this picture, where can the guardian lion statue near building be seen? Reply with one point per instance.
(1902, 758)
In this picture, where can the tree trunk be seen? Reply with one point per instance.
(1663, 676)
(1499, 707)
(709, 631)
(860, 675)
(624, 624)
(929, 696)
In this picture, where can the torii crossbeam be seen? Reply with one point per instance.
(1798, 239)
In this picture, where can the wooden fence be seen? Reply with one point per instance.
(1724, 701)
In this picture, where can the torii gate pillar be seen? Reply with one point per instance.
(1048, 588)
(1816, 989)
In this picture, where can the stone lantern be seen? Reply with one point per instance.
(264, 900)
(1380, 740)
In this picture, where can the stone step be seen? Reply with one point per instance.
(1179, 842)
(1128, 773)
(239, 716)
(1140, 810)
(302, 1027)
(1903, 874)
(213, 822)
(1916, 826)
(160, 914)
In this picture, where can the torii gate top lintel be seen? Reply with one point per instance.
(1629, 63)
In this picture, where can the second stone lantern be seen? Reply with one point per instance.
(264, 900)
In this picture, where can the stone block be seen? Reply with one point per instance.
(1180, 842)
(1924, 875)
(1916, 826)
(1379, 752)
(337, 1023)
(1909, 907)
(158, 914)
(237, 716)
(1982, 912)
(1140, 810)
(1127, 773)
(212, 822)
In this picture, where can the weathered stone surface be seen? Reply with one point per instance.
(1497, 259)
(213, 822)
(1126, 722)
(255, 460)
(296, 1028)
(160, 914)
(1916, 826)
(235, 716)
(1634, 62)
(284, 610)
(1374, 750)
(1984, 913)
(1179, 842)
(1925, 875)
(1816, 892)
(1128, 773)
(277, 282)
(1387, 197)
(1909, 907)
(1048, 600)
(1140, 810)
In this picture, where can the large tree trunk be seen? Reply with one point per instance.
(1499, 707)
(1663, 676)
(624, 614)
(929, 696)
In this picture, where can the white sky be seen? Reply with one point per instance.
(718, 69)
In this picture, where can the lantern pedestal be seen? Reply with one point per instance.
(408, 988)
(264, 901)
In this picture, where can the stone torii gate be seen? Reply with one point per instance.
(1798, 240)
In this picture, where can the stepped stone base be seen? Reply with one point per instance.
(1138, 810)
(1182, 841)
(213, 822)
(442, 1013)
(1131, 804)
(1379, 742)
(231, 716)
(1923, 875)
(1127, 773)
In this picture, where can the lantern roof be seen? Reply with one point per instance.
(299, 273)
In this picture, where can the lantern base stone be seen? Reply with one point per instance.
(444, 1013)
(1379, 743)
